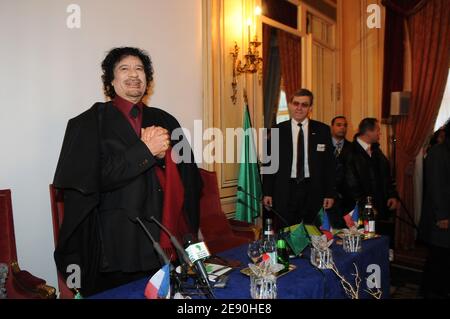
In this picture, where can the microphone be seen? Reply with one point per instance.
(156, 245)
(197, 251)
(240, 189)
(182, 255)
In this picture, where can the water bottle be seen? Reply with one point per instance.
(269, 243)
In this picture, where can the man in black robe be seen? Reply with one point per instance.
(110, 168)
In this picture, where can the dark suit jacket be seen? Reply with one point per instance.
(367, 176)
(336, 213)
(340, 169)
(108, 176)
(322, 167)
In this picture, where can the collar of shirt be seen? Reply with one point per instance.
(125, 106)
(364, 145)
(336, 142)
(304, 123)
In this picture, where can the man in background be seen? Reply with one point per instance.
(368, 173)
(339, 126)
(434, 224)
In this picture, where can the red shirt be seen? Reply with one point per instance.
(125, 106)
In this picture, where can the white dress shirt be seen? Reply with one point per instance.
(295, 131)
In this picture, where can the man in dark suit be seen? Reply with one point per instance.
(341, 145)
(367, 173)
(115, 166)
(305, 180)
(434, 222)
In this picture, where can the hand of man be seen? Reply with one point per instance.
(392, 203)
(267, 201)
(157, 140)
(442, 224)
(328, 203)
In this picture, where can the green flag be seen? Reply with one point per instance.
(298, 238)
(312, 230)
(248, 205)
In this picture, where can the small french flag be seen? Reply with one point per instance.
(158, 286)
(351, 219)
(326, 226)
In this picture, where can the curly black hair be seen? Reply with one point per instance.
(116, 55)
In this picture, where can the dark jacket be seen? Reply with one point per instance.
(108, 177)
(367, 176)
(337, 212)
(340, 169)
(436, 196)
(322, 167)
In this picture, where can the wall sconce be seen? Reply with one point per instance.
(252, 62)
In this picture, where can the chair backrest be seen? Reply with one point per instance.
(213, 222)
(57, 205)
(8, 252)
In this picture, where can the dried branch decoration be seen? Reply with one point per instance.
(353, 291)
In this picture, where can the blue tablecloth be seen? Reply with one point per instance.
(305, 282)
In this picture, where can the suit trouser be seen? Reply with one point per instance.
(299, 206)
(436, 277)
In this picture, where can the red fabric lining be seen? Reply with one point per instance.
(173, 216)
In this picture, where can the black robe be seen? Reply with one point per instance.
(108, 178)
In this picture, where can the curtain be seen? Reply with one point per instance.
(271, 75)
(397, 11)
(430, 47)
(290, 58)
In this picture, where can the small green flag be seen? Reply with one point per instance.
(248, 204)
(298, 238)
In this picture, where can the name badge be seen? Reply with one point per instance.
(321, 147)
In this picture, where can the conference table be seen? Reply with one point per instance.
(305, 282)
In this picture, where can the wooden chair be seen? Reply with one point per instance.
(218, 232)
(57, 206)
(20, 284)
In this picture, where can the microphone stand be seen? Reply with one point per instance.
(183, 258)
(177, 282)
(269, 208)
(411, 222)
(282, 233)
(185, 264)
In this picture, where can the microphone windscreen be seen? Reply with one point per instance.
(188, 239)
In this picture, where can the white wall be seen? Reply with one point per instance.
(50, 73)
